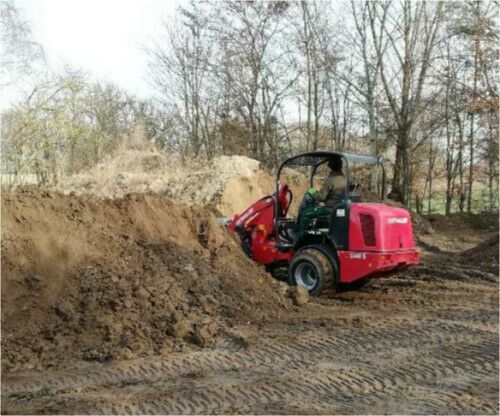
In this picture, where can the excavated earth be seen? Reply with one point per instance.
(141, 305)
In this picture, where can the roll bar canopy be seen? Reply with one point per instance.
(316, 159)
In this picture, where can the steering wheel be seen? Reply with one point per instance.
(355, 189)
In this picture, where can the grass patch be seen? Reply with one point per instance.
(480, 202)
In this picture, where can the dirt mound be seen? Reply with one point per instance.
(485, 254)
(454, 233)
(460, 223)
(228, 184)
(421, 225)
(97, 279)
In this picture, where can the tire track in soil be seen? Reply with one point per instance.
(478, 356)
(449, 397)
(395, 400)
(460, 342)
(359, 384)
(268, 354)
(419, 295)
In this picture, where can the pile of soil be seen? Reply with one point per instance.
(96, 279)
(421, 225)
(463, 223)
(454, 233)
(485, 255)
(228, 184)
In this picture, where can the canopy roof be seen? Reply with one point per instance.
(319, 157)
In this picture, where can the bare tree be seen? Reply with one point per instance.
(369, 78)
(179, 68)
(19, 52)
(309, 41)
(404, 44)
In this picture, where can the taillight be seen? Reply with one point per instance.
(368, 229)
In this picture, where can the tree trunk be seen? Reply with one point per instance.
(461, 193)
(396, 191)
(401, 180)
(432, 157)
(406, 186)
(471, 165)
(492, 152)
(472, 110)
(316, 116)
(374, 145)
(449, 168)
(309, 77)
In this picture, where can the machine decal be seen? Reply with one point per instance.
(396, 220)
(359, 256)
(245, 217)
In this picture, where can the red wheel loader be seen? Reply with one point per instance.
(349, 240)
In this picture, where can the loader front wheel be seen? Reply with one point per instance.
(311, 268)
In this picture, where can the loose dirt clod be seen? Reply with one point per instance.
(299, 295)
(94, 279)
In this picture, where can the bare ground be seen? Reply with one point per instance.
(424, 340)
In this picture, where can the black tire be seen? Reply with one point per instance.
(312, 268)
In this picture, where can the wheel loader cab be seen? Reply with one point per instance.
(317, 219)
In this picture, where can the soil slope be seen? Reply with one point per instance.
(95, 279)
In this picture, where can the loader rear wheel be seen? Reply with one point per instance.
(313, 269)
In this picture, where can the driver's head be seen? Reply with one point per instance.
(335, 164)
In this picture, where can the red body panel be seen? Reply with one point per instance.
(393, 227)
(261, 213)
(357, 264)
(380, 236)
(385, 243)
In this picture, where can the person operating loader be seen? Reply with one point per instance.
(334, 185)
(330, 193)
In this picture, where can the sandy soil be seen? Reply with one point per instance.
(142, 305)
(225, 184)
(92, 279)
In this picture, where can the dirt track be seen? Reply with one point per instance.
(424, 340)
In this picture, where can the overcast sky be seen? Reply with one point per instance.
(102, 37)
